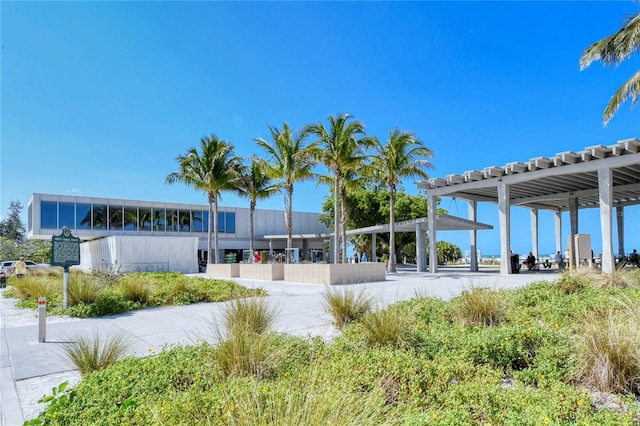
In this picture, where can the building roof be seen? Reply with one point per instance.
(550, 182)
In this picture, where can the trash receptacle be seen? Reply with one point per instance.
(515, 263)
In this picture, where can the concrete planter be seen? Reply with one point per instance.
(223, 270)
(258, 271)
(330, 274)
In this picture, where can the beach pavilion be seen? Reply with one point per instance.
(604, 177)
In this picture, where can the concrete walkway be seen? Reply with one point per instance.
(30, 369)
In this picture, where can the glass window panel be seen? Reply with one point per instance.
(221, 227)
(172, 220)
(205, 221)
(49, 214)
(115, 217)
(130, 218)
(66, 215)
(230, 222)
(196, 220)
(100, 217)
(83, 216)
(159, 220)
(185, 220)
(144, 219)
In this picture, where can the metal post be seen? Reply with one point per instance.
(65, 288)
(42, 319)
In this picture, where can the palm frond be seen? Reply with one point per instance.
(630, 89)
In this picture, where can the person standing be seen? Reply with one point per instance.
(559, 260)
(20, 268)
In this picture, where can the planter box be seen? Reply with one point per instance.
(223, 270)
(258, 271)
(330, 274)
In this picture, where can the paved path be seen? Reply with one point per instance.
(30, 369)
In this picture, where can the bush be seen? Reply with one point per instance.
(386, 327)
(346, 306)
(82, 289)
(480, 306)
(137, 288)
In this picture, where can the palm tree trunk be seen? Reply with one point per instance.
(215, 229)
(336, 221)
(392, 229)
(289, 217)
(252, 206)
(343, 227)
(210, 229)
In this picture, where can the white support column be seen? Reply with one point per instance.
(433, 253)
(534, 232)
(374, 258)
(573, 219)
(558, 227)
(605, 191)
(421, 249)
(504, 206)
(473, 236)
(620, 226)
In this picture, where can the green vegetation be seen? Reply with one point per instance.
(105, 292)
(94, 353)
(533, 367)
(347, 305)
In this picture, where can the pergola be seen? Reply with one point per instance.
(600, 176)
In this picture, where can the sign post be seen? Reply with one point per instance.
(65, 252)
(42, 319)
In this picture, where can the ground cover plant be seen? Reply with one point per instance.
(106, 293)
(532, 367)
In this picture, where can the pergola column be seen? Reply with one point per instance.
(421, 248)
(374, 236)
(620, 226)
(473, 235)
(504, 207)
(534, 232)
(558, 228)
(605, 193)
(573, 219)
(433, 253)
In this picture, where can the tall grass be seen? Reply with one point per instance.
(388, 326)
(609, 350)
(481, 306)
(137, 287)
(33, 287)
(246, 347)
(347, 305)
(93, 353)
(82, 289)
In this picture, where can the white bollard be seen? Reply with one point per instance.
(42, 319)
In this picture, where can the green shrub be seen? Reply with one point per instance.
(137, 287)
(249, 315)
(83, 289)
(569, 284)
(110, 302)
(94, 353)
(388, 326)
(347, 305)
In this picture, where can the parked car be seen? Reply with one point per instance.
(8, 265)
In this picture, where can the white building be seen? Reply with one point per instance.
(93, 218)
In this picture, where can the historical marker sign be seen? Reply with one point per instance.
(65, 249)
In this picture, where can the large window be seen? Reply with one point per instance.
(83, 216)
(49, 214)
(230, 222)
(196, 220)
(144, 219)
(172, 220)
(131, 218)
(100, 217)
(185, 220)
(66, 215)
(159, 220)
(115, 217)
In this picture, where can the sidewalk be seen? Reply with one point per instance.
(29, 369)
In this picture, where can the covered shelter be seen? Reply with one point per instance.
(604, 177)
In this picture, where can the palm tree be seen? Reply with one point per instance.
(291, 161)
(612, 50)
(341, 152)
(255, 185)
(402, 156)
(213, 169)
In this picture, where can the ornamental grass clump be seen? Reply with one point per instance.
(33, 287)
(480, 306)
(617, 279)
(83, 289)
(346, 306)
(387, 327)
(609, 350)
(137, 287)
(93, 353)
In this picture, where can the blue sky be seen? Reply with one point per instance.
(98, 98)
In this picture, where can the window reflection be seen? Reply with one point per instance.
(83, 211)
(196, 220)
(221, 227)
(185, 220)
(230, 222)
(99, 216)
(172, 220)
(49, 214)
(131, 218)
(115, 217)
(66, 215)
(144, 219)
(205, 221)
(159, 220)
